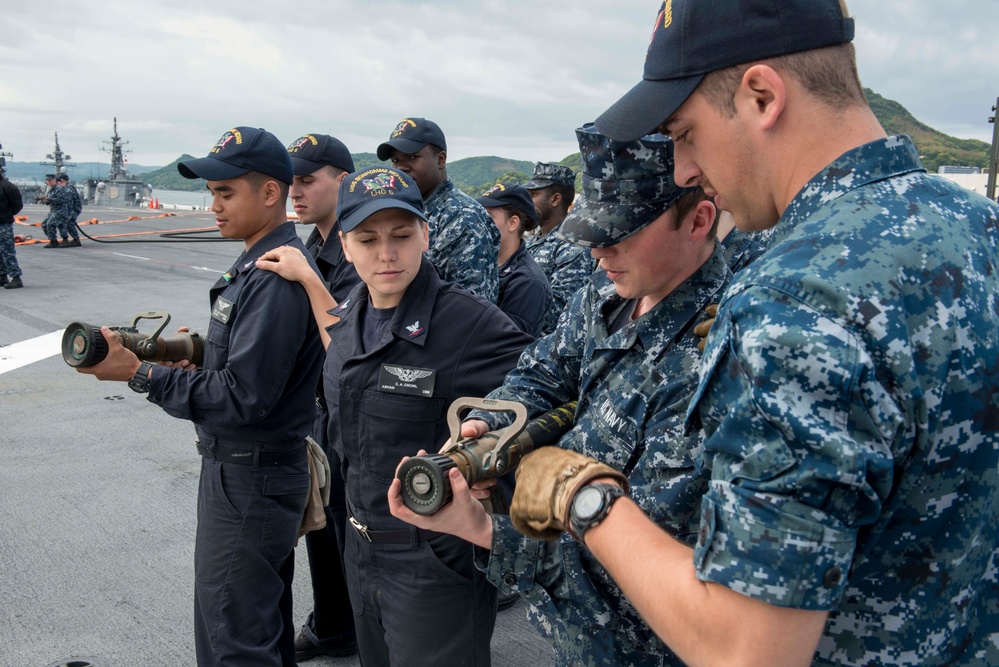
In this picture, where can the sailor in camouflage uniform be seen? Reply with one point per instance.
(566, 264)
(59, 201)
(50, 182)
(848, 391)
(464, 242)
(627, 353)
(72, 206)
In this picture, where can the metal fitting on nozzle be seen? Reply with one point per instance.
(84, 345)
(426, 488)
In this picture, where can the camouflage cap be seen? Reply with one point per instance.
(550, 173)
(626, 185)
(50, 177)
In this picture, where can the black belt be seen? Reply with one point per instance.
(403, 536)
(252, 457)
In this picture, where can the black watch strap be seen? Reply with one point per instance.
(582, 520)
(140, 381)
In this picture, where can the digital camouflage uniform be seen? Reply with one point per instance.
(567, 267)
(849, 394)
(61, 200)
(464, 241)
(75, 213)
(741, 248)
(633, 387)
(10, 205)
(566, 264)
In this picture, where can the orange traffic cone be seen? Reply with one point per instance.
(157, 202)
(150, 202)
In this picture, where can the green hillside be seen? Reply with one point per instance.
(475, 175)
(168, 178)
(935, 148)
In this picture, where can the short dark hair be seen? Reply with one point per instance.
(257, 180)
(686, 204)
(334, 171)
(567, 191)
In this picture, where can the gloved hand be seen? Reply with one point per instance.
(704, 327)
(547, 481)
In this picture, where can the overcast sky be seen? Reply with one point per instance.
(506, 77)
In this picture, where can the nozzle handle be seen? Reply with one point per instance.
(490, 405)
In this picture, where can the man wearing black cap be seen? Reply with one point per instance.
(252, 404)
(464, 242)
(567, 265)
(848, 391)
(320, 163)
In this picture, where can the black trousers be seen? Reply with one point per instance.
(332, 617)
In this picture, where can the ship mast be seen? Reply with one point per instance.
(58, 158)
(117, 151)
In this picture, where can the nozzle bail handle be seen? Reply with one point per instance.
(490, 405)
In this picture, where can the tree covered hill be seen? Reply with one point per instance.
(935, 148)
(475, 175)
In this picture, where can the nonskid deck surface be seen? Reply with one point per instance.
(98, 486)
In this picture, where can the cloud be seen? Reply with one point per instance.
(504, 77)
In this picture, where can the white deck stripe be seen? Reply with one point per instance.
(29, 351)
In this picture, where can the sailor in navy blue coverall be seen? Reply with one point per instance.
(320, 163)
(401, 347)
(252, 404)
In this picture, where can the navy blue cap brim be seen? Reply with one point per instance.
(303, 167)
(401, 144)
(210, 169)
(489, 202)
(361, 214)
(643, 108)
(538, 183)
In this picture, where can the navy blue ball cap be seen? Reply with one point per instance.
(365, 192)
(50, 177)
(410, 136)
(314, 151)
(694, 37)
(238, 151)
(510, 194)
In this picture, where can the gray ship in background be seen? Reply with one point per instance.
(120, 188)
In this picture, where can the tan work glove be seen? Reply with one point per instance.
(704, 327)
(547, 481)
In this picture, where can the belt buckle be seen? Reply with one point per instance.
(360, 527)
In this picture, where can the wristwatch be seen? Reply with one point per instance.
(140, 381)
(591, 505)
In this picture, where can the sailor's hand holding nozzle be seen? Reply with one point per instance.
(120, 363)
(464, 516)
(183, 363)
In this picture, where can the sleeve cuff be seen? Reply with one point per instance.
(774, 551)
(511, 562)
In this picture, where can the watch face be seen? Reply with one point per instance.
(587, 503)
